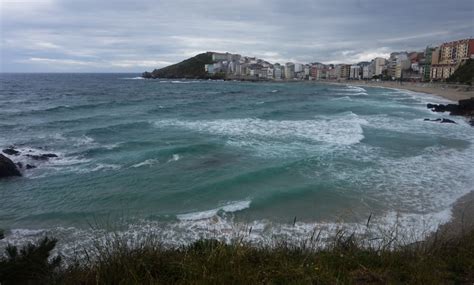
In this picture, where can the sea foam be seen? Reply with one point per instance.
(148, 162)
(228, 208)
(345, 130)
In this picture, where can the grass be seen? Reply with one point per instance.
(346, 260)
(464, 74)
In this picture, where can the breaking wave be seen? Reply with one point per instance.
(228, 208)
(345, 130)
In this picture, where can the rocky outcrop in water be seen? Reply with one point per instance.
(13, 168)
(45, 156)
(441, 121)
(463, 108)
(11, 151)
(8, 167)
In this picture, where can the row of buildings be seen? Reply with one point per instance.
(433, 64)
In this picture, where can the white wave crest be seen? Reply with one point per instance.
(402, 227)
(175, 157)
(99, 167)
(133, 78)
(344, 130)
(356, 88)
(148, 162)
(228, 208)
(83, 140)
(105, 166)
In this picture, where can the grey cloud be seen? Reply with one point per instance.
(120, 35)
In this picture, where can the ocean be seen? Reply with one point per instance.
(190, 159)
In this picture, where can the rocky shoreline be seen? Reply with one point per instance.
(10, 168)
(463, 108)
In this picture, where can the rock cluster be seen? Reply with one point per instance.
(441, 121)
(9, 168)
(463, 108)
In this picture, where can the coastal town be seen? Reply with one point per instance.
(433, 64)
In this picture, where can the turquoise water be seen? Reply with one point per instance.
(186, 159)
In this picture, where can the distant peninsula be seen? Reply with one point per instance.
(191, 68)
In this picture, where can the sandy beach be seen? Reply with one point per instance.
(462, 220)
(447, 91)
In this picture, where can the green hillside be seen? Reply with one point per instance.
(464, 74)
(191, 68)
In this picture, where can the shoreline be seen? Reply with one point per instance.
(462, 220)
(450, 92)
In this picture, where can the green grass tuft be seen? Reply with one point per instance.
(346, 260)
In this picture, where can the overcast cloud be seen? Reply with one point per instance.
(121, 36)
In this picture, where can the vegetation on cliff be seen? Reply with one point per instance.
(346, 260)
(464, 74)
(191, 68)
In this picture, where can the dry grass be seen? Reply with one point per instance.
(347, 260)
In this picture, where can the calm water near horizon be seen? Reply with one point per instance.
(186, 159)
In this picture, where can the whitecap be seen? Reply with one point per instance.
(228, 208)
(341, 98)
(133, 78)
(175, 157)
(344, 130)
(401, 228)
(99, 167)
(83, 140)
(356, 88)
(148, 162)
(105, 166)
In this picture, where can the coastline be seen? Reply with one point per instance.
(450, 92)
(462, 220)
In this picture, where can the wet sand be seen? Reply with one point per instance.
(450, 92)
(462, 220)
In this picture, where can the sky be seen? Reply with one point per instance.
(139, 35)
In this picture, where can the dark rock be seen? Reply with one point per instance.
(448, 121)
(7, 167)
(19, 164)
(50, 155)
(11, 151)
(467, 104)
(37, 157)
(464, 108)
(30, 166)
(441, 120)
(45, 156)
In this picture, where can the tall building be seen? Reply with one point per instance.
(427, 65)
(344, 71)
(367, 72)
(455, 52)
(379, 65)
(277, 71)
(451, 56)
(403, 63)
(318, 71)
(354, 72)
(298, 67)
(392, 64)
(289, 70)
